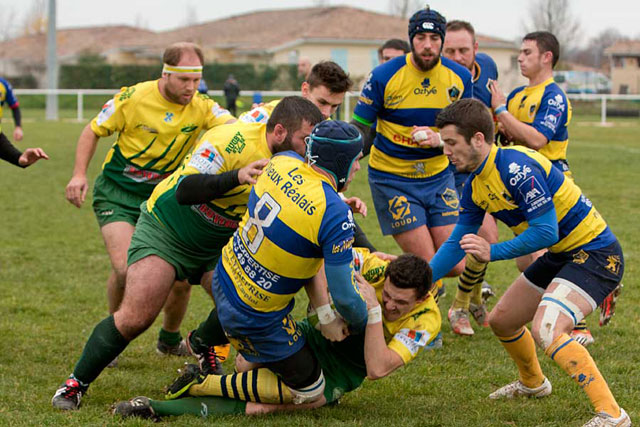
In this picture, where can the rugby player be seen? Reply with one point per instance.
(157, 123)
(546, 209)
(460, 45)
(537, 116)
(8, 151)
(294, 223)
(183, 226)
(412, 188)
(403, 320)
(392, 48)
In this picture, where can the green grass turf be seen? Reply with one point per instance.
(53, 269)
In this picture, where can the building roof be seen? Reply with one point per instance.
(261, 32)
(269, 31)
(75, 41)
(621, 48)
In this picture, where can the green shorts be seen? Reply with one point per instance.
(151, 237)
(111, 203)
(342, 363)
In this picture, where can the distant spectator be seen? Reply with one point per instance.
(231, 92)
(392, 48)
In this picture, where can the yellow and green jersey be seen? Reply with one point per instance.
(222, 149)
(154, 135)
(408, 335)
(547, 109)
(259, 114)
(398, 96)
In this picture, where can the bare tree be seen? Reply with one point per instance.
(191, 17)
(556, 17)
(35, 21)
(321, 3)
(405, 8)
(593, 54)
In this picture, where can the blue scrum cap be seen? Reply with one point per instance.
(334, 146)
(427, 21)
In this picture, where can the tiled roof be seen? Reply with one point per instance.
(630, 47)
(71, 42)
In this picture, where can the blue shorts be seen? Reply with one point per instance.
(260, 337)
(403, 204)
(596, 271)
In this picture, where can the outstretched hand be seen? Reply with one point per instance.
(32, 155)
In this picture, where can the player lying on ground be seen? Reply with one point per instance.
(403, 319)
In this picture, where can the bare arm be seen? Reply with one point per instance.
(78, 186)
(379, 358)
(520, 132)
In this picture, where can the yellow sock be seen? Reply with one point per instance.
(576, 361)
(471, 277)
(476, 293)
(257, 385)
(522, 350)
(434, 290)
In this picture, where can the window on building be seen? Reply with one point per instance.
(375, 61)
(514, 62)
(340, 57)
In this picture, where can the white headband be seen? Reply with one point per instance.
(176, 69)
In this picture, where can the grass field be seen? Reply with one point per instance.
(53, 269)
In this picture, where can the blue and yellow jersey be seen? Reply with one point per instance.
(295, 220)
(485, 71)
(517, 184)
(548, 110)
(154, 135)
(259, 114)
(400, 96)
(221, 149)
(6, 96)
(408, 335)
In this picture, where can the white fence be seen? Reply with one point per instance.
(345, 110)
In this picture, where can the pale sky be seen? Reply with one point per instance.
(497, 18)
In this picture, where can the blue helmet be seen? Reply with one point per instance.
(334, 146)
(427, 21)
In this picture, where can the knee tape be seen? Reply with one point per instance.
(309, 393)
(556, 302)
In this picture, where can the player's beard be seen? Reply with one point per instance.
(175, 97)
(421, 63)
(285, 145)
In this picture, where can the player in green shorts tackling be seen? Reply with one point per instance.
(184, 225)
(403, 319)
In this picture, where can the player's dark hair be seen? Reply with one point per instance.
(469, 116)
(173, 53)
(458, 25)
(330, 75)
(291, 111)
(396, 44)
(410, 271)
(546, 42)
